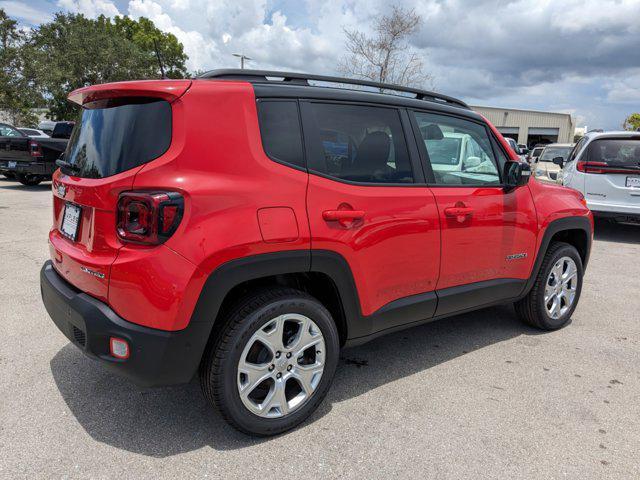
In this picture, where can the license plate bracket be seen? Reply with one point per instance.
(71, 221)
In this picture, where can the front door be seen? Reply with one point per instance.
(488, 234)
(367, 201)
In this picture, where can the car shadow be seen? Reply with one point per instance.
(14, 185)
(162, 422)
(608, 231)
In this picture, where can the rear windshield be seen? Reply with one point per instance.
(62, 130)
(616, 152)
(117, 135)
(550, 153)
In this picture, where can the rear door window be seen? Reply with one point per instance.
(358, 143)
(113, 136)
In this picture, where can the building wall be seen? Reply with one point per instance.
(523, 120)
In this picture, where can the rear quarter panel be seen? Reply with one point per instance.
(217, 162)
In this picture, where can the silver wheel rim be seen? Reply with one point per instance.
(281, 366)
(560, 289)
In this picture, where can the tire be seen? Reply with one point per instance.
(29, 180)
(262, 314)
(533, 309)
(10, 176)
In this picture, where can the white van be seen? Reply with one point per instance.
(605, 167)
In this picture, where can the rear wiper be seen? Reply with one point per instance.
(67, 166)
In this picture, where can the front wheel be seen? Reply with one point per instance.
(556, 291)
(273, 361)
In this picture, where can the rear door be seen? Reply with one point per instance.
(367, 201)
(488, 234)
(612, 174)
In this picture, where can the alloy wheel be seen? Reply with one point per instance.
(281, 366)
(560, 289)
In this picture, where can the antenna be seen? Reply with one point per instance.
(155, 45)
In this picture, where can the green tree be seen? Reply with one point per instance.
(73, 51)
(17, 95)
(632, 122)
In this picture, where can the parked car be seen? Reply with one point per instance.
(545, 168)
(31, 160)
(605, 168)
(33, 132)
(245, 225)
(534, 153)
(523, 149)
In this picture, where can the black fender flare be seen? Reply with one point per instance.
(235, 272)
(555, 227)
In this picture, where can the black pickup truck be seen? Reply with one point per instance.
(31, 160)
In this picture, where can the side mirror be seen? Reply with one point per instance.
(558, 161)
(516, 174)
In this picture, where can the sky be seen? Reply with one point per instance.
(574, 56)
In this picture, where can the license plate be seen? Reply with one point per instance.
(633, 182)
(71, 221)
(12, 164)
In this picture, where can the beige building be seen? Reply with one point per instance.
(531, 127)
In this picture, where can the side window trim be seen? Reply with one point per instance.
(302, 168)
(310, 143)
(424, 154)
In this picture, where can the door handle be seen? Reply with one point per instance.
(458, 211)
(342, 215)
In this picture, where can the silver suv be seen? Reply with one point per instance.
(605, 167)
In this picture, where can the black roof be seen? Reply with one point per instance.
(301, 81)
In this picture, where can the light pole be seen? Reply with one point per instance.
(242, 58)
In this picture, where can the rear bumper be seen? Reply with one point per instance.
(45, 169)
(618, 216)
(156, 357)
(612, 209)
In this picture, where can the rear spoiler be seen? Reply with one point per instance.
(168, 90)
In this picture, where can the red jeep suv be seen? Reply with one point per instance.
(246, 225)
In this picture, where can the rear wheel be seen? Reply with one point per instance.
(29, 180)
(273, 362)
(9, 175)
(556, 291)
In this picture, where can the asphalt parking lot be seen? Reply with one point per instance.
(475, 396)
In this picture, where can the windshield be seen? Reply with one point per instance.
(445, 151)
(119, 135)
(616, 152)
(7, 131)
(550, 153)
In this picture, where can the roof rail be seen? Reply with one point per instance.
(266, 76)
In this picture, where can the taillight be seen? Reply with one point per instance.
(34, 149)
(591, 167)
(148, 218)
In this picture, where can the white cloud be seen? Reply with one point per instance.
(90, 8)
(24, 12)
